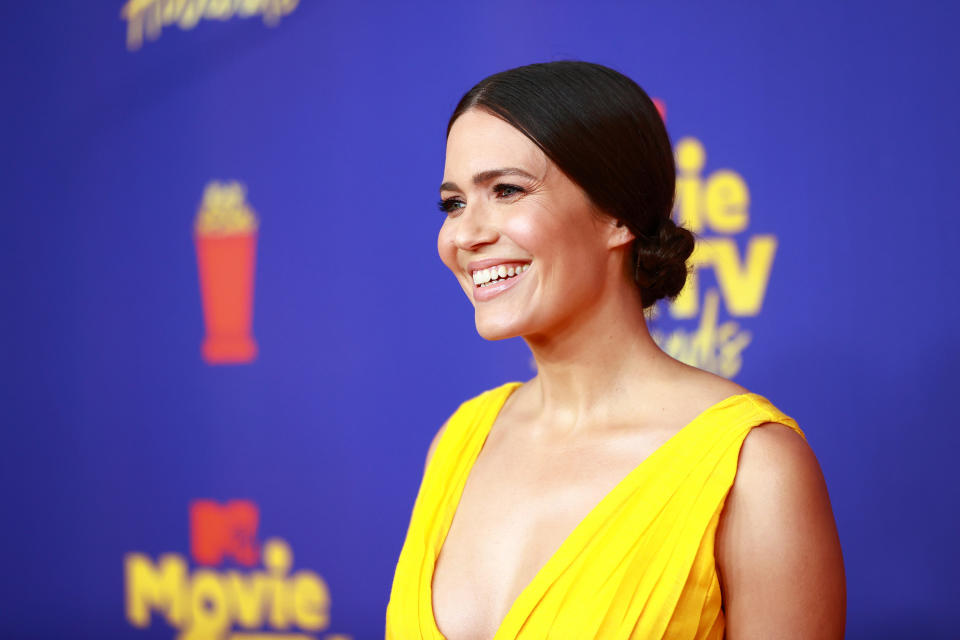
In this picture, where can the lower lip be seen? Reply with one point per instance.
(482, 294)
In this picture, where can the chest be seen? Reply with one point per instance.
(519, 504)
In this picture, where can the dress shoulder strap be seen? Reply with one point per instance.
(456, 449)
(468, 424)
(764, 411)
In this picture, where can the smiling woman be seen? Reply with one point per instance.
(619, 493)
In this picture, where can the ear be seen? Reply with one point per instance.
(619, 235)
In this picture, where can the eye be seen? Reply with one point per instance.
(451, 205)
(507, 190)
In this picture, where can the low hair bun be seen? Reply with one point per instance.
(661, 261)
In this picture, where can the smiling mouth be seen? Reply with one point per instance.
(498, 274)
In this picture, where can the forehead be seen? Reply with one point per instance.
(479, 141)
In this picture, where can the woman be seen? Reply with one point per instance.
(619, 493)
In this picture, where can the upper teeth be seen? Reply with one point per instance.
(482, 276)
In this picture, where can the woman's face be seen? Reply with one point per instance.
(522, 238)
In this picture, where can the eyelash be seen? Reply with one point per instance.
(448, 205)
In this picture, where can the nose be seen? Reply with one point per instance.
(475, 228)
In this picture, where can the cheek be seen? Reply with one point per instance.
(544, 237)
(446, 248)
(529, 233)
(570, 256)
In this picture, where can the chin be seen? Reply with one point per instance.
(491, 329)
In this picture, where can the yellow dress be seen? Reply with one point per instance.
(639, 565)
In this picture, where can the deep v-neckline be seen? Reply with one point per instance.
(625, 484)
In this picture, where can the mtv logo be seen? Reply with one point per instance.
(219, 530)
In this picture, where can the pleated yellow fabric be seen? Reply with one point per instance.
(640, 565)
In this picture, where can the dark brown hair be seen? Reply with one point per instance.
(603, 131)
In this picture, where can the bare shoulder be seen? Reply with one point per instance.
(777, 548)
(705, 388)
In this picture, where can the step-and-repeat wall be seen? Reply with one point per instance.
(228, 338)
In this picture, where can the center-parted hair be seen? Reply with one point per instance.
(604, 132)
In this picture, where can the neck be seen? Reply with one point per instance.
(600, 360)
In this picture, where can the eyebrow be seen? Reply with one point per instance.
(483, 176)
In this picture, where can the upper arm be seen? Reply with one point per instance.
(433, 445)
(777, 548)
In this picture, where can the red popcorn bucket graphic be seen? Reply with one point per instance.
(225, 233)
